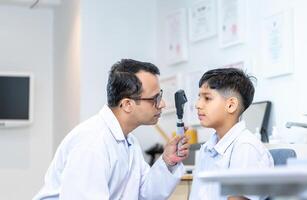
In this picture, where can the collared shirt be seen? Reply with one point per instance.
(95, 161)
(238, 148)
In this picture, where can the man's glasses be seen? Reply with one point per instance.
(156, 99)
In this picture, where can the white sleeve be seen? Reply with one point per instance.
(85, 176)
(158, 182)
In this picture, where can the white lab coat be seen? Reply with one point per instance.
(96, 162)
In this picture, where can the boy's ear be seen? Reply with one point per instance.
(232, 105)
(126, 105)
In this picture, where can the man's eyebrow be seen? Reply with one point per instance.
(155, 94)
(204, 93)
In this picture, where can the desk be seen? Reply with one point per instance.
(182, 190)
(187, 177)
(279, 181)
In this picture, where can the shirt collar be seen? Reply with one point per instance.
(209, 146)
(215, 147)
(112, 123)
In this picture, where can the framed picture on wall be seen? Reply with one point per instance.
(176, 37)
(202, 20)
(232, 15)
(277, 44)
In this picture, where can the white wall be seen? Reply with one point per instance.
(111, 30)
(286, 92)
(66, 57)
(26, 46)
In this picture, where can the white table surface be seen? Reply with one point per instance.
(280, 181)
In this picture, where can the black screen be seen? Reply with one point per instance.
(14, 97)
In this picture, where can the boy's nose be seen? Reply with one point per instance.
(197, 104)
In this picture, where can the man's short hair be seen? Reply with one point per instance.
(231, 81)
(123, 82)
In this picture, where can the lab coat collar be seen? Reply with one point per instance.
(215, 147)
(112, 123)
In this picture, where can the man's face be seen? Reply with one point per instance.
(211, 107)
(146, 111)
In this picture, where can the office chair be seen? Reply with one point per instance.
(280, 156)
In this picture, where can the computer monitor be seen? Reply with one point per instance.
(16, 99)
(257, 116)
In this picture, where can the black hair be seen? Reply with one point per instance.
(123, 82)
(231, 80)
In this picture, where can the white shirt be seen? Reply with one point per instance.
(96, 162)
(239, 148)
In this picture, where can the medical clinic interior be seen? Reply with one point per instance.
(56, 55)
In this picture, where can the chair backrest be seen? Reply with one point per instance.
(280, 156)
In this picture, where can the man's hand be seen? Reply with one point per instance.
(170, 150)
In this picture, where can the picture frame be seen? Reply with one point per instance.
(232, 23)
(277, 57)
(202, 20)
(176, 37)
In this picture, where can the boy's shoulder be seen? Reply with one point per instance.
(249, 151)
(248, 138)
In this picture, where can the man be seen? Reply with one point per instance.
(100, 159)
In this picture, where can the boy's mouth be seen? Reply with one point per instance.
(201, 116)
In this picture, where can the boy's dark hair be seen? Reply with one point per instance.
(231, 80)
(122, 81)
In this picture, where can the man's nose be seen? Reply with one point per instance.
(162, 104)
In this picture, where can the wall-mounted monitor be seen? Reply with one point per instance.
(257, 116)
(16, 99)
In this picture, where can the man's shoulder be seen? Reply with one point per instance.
(91, 124)
(90, 130)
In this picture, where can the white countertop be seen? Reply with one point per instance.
(280, 181)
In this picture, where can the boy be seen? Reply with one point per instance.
(224, 94)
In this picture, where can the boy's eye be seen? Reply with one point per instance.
(207, 98)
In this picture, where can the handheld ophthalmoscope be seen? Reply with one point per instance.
(180, 100)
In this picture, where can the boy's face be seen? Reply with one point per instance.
(211, 107)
